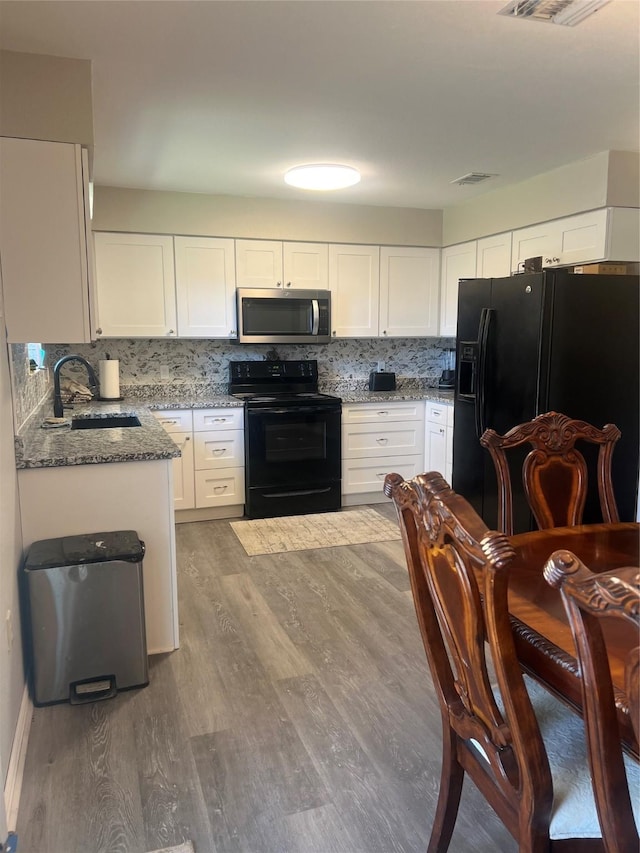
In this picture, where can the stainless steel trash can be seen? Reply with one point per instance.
(86, 616)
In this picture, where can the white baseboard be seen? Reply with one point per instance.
(15, 772)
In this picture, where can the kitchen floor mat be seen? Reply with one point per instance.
(319, 530)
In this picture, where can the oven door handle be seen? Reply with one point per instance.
(293, 410)
(315, 313)
(298, 492)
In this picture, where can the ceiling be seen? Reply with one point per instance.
(212, 96)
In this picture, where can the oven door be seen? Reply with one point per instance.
(293, 446)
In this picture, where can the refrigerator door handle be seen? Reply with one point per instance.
(483, 342)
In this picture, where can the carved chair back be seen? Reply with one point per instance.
(458, 570)
(554, 473)
(590, 600)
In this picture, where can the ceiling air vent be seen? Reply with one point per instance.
(567, 13)
(472, 178)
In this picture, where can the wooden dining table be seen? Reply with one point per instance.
(541, 629)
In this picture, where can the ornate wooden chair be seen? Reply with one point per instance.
(516, 756)
(554, 473)
(590, 599)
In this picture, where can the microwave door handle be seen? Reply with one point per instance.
(315, 312)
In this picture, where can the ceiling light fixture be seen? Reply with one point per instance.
(322, 176)
(567, 13)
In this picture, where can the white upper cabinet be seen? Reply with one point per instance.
(409, 292)
(135, 285)
(205, 287)
(259, 263)
(599, 235)
(270, 263)
(457, 262)
(306, 265)
(493, 256)
(44, 229)
(354, 281)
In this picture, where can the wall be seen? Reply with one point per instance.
(608, 178)
(57, 92)
(417, 362)
(43, 97)
(156, 212)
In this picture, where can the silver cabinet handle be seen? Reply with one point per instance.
(219, 489)
(382, 440)
(382, 414)
(171, 332)
(98, 331)
(278, 284)
(334, 333)
(218, 451)
(384, 332)
(288, 284)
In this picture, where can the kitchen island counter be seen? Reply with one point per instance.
(40, 447)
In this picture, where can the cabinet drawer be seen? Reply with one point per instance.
(358, 413)
(219, 488)
(360, 440)
(440, 413)
(219, 449)
(177, 420)
(367, 475)
(208, 419)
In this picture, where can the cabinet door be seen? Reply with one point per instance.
(436, 448)
(457, 262)
(259, 263)
(43, 241)
(537, 240)
(409, 292)
(493, 257)
(183, 473)
(135, 285)
(354, 281)
(205, 287)
(583, 237)
(306, 265)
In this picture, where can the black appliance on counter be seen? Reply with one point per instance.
(292, 436)
(539, 342)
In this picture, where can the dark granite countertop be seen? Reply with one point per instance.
(38, 447)
(433, 395)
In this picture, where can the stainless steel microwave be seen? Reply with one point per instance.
(274, 316)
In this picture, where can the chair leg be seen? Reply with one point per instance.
(451, 779)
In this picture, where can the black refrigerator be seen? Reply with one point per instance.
(540, 342)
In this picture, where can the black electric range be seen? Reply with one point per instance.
(292, 438)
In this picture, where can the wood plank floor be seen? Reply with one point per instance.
(298, 716)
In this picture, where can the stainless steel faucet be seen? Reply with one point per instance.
(58, 410)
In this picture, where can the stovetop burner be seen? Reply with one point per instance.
(260, 383)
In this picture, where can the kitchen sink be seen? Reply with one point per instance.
(108, 422)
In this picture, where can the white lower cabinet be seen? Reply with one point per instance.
(179, 425)
(438, 447)
(378, 440)
(209, 478)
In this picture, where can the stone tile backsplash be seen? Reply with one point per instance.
(344, 363)
(200, 366)
(29, 388)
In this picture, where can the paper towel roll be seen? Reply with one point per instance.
(110, 379)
